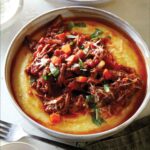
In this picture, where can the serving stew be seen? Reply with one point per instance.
(79, 75)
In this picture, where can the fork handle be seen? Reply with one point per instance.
(55, 143)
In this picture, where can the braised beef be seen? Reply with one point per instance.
(65, 77)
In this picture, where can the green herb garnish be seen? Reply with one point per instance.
(96, 118)
(89, 98)
(80, 24)
(46, 77)
(54, 70)
(81, 47)
(97, 33)
(81, 64)
(70, 25)
(32, 79)
(61, 30)
(106, 88)
(108, 36)
(71, 36)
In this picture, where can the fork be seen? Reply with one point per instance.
(11, 132)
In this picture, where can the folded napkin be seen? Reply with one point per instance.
(135, 137)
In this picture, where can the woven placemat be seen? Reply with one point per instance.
(135, 137)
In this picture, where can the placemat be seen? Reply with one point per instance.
(135, 137)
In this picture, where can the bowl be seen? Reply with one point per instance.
(8, 16)
(70, 12)
(18, 146)
(89, 2)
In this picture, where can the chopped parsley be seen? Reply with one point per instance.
(54, 70)
(96, 118)
(81, 64)
(96, 34)
(80, 24)
(77, 24)
(108, 36)
(46, 77)
(89, 98)
(32, 79)
(106, 88)
(70, 25)
(81, 47)
(61, 30)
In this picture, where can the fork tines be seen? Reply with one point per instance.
(5, 123)
(4, 129)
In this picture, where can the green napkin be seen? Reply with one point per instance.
(135, 137)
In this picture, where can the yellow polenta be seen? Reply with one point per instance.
(124, 51)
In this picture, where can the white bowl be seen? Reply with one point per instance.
(69, 12)
(18, 146)
(9, 16)
(89, 2)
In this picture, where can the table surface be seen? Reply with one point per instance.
(136, 12)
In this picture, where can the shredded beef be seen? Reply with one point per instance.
(65, 77)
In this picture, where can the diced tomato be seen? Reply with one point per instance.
(39, 49)
(96, 61)
(56, 60)
(92, 46)
(105, 41)
(91, 63)
(61, 36)
(41, 40)
(73, 85)
(81, 79)
(87, 36)
(111, 62)
(57, 52)
(107, 74)
(117, 66)
(66, 49)
(81, 40)
(55, 118)
(35, 54)
(92, 80)
(64, 56)
(80, 54)
(47, 40)
(71, 59)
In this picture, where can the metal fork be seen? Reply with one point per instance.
(11, 132)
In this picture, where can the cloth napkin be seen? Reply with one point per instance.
(135, 137)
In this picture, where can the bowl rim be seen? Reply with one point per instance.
(69, 135)
(89, 1)
(20, 143)
(11, 20)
